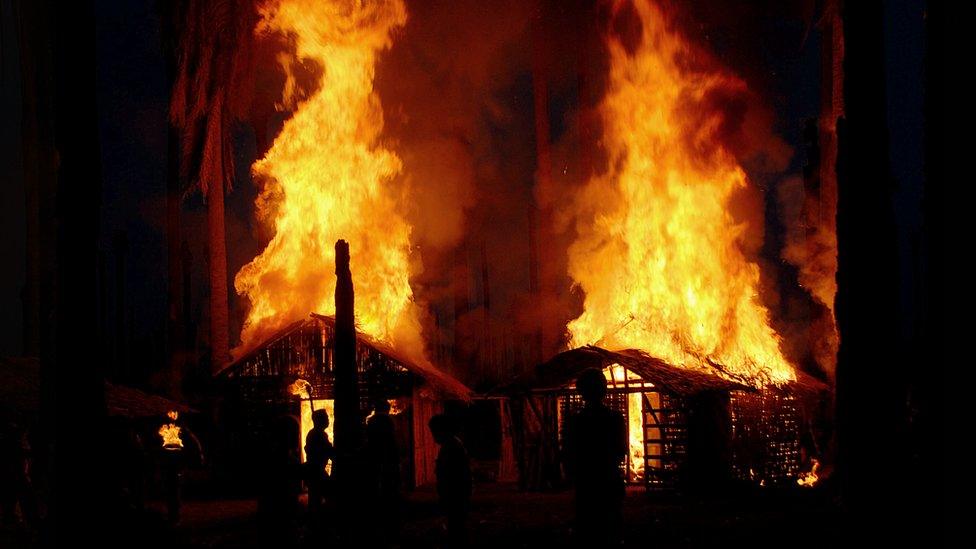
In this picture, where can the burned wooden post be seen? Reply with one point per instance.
(347, 470)
(871, 362)
(348, 423)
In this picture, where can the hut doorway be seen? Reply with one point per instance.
(656, 426)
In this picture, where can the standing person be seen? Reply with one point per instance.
(281, 482)
(318, 452)
(596, 443)
(172, 464)
(381, 447)
(16, 490)
(453, 479)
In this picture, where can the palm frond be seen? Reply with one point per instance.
(212, 86)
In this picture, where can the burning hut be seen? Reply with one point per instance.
(292, 373)
(686, 427)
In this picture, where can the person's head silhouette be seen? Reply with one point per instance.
(592, 386)
(442, 428)
(381, 406)
(320, 419)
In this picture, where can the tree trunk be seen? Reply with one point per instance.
(71, 368)
(176, 343)
(38, 160)
(219, 339)
(542, 265)
(174, 274)
(870, 366)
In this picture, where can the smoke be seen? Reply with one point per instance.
(810, 245)
(456, 112)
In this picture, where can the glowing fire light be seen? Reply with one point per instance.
(659, 255)
(396, 408)
(810, 478)
(326, 177)
(300, 388)
(170, 432)
(303, 390)
(635, 420)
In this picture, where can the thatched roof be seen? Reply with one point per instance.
(133, 403)
(438, 380)
(562, 370)
(20, 389)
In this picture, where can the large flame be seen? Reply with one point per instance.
(326, 177)
(659, 254)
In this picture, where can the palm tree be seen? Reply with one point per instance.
(211, 91)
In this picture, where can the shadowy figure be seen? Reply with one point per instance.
(281, 482)
(318, 452)
(16, 490)
(453, 478)
(127, 466)
(172, 463)
(381, 447)
(596, 443)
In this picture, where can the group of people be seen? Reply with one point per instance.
(382, 460)
(595, 444)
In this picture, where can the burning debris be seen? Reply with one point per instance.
(810, 478)
(300, 388)
(170, 432)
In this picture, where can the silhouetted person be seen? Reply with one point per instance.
(127, 465)
(281, 482)
(16, 490)
(596, 443)
(172, 464)
(381, 448)
(453, 478)
(318, 452)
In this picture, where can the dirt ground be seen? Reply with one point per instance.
(502, 516)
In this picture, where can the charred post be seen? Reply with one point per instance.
(347, 421)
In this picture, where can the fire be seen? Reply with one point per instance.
(170, 432)
(659, 254)
(635, 429)
(300, 388)
(326, 177)
(810, 478)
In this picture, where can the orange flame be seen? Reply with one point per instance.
(170, 432)
(659, 254)
(809, 479)
(300, 388)
(635, 429)
(326, 177)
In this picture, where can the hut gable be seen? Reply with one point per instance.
(562, 370)
(260, 387)
(303, 350)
